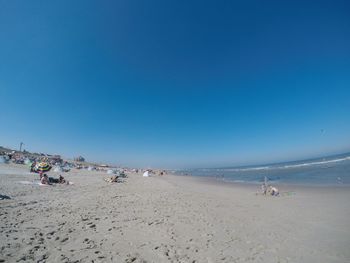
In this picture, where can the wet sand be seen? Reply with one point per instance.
(168, 219)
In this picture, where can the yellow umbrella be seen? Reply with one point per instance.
(42, 167)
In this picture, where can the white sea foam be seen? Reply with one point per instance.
(316, 163)
(288, 166)
(248, 169)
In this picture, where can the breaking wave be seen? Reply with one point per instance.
(332, 170)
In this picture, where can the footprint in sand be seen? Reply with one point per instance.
(130, 259)
(64, 239)
(51, 233)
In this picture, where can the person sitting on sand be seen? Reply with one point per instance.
(44, 179)
(113, 179)
(62, 180)
(273, 191)
(268, 189)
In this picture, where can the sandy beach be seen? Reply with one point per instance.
(168, 219)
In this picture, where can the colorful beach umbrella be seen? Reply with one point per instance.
(42, 167)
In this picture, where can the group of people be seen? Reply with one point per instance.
(112, 179)
(269, 189)
(44, 179)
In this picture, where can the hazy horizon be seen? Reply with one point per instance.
(238, 165)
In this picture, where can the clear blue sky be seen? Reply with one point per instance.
(176, 83)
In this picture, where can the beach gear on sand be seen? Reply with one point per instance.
(32, 183)
(146, 174)
(122, 175)
(3, 197)
(42, 167)
(35, 182)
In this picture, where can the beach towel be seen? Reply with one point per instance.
(40, 184)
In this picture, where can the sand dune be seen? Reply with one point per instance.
(168, 219)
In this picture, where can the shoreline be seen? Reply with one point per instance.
(256, 185)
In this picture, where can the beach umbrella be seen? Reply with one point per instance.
(42, 167)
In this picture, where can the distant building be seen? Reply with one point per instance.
(79, 159)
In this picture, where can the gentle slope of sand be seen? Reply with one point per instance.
(168, 219)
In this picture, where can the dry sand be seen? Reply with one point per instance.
(168, 219)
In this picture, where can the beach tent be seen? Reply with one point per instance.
(146, 174)
(110, 171)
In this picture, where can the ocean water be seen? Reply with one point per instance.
(332, 170)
